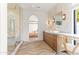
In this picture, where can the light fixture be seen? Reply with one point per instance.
(53, 20)
(64, 16)
(48, 20)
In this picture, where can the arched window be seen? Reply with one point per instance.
(33, 18)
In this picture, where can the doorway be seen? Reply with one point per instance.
(33, 28)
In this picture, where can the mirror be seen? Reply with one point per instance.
(58, 20)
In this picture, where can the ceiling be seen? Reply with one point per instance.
(75, 5)
(44, 7)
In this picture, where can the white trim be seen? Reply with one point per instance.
(16, 49)
(76, 6)
(3, 28)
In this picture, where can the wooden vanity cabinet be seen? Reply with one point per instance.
(51, 40)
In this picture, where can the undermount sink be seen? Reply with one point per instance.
(55, 31)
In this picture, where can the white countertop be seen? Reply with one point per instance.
(66, 34)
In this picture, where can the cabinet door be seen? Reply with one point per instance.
(51, 40)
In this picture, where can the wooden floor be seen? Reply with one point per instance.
(11, 49)
(35, 48)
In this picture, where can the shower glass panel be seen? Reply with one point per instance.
(11, 33)
(13, 26)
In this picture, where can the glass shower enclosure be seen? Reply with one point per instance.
(11, 32)
(13, 28)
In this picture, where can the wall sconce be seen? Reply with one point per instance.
(48, 20)
(53, 19)
(64, 16)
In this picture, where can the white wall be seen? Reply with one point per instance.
(3, 28)
(77, 27)
(41, 24)
(67, 25)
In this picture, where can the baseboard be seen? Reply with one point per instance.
(16, 49)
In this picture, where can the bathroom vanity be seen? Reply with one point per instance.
(55, 39)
